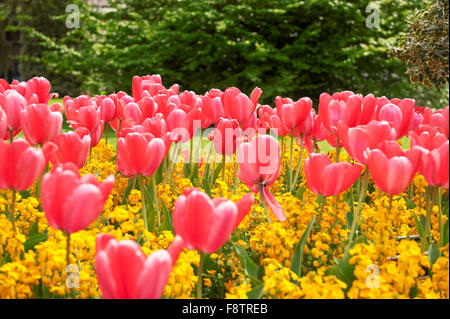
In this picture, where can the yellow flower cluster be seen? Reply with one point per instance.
(386, 265)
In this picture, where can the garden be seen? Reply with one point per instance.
(226, 150)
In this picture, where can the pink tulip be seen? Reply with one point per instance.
(108, 110)
(72, 148)
(259, 166)
(40, 87)
(71, 202)
(40, 124)
(3, 125)
(357, 140)
(291, 113)
(399, 114)
(205, 224)
(212, 110)
(20, 164)
(391, 168)
(327, 178)
(435, 165)
(12, 104)
(226, 135)
(341, 106)
(139, 154)
(123, 271)
(238, 106)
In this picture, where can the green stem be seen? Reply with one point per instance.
(106, 135)
(67, 249)
(426, 237)
(223, 167)
(144, 208)
(155, 192)
(299, 164)
(322, 206)
(199, 293)
(338, 149)
(290, 162)
(12, 211)
(362, 194)
(261, 194)
(441, 225)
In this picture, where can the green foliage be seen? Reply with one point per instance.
(286, 47)
(424, 49)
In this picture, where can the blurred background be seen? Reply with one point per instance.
(286, 47)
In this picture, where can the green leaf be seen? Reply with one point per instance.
(34, 240)
(343, 270)
(297, 257)
(167, 223)
(433, 254)
(445, 234)
(256, 293)
(217, 171)
(252, 270)
(128, 189)
(418, 225)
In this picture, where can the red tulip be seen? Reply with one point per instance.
(435, 166)
(291, 113)
(3, 125)
(206, 224)
(71, 202)
(399, 114)
(20, 164)
(226, 135)
(238, 106)
(40, 87)
(357, 140)
(438, 119)
(428, 138)
(391, 168)
(341, 106)
(40, 124)
(327, 178)
(123, 271)
(139, 154)
(12, 104)
(72, 148)
(212, 110)
(259, 166)
(108, 109)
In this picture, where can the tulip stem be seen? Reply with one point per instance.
(338, 149)
(144, 209)
(156, 200)
(11, 136)
(299, 165)
(223, 166)
(426, 238)
(441, 225)
(282, 150)
(322, 206)
(90, 154)
(67, 249)
(290, 161)
(362, 194)
(261, 194)
(13, 206)
(199, 293)
(106, 133)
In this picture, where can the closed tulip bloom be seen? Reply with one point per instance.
(205, 224)
(40, 124)
(291, 113)
(124, 272)
(435, 166)
(212, 110)
(259, 166)
(438, 119)
(226, 135)
(108, 109)
(399, 115)
(72, 202)
(139, 154)
(20, 164)
(238, 106)
(327, 178)
(391, 168)
(72, 148)
(428, 138)
(339, 107)
(12, 104)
